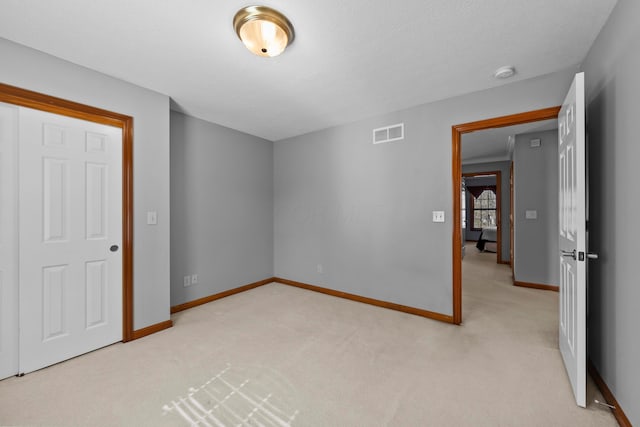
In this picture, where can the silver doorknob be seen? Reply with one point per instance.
(571, 254)
(592, 256)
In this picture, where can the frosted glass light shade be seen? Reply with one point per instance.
(263, 38)
(264, 31)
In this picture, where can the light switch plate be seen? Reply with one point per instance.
(531, 214)
(438, 216)
(152, 218)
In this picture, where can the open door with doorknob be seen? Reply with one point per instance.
(573, 242)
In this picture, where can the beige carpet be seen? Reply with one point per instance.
(278, 355)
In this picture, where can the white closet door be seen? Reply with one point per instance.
(70, 207)
(8, 241)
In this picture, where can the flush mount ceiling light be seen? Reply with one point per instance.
(264, 31)
(504, 72)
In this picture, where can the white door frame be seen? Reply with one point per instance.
(26, 98)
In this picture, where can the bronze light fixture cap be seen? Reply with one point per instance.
(264, 31)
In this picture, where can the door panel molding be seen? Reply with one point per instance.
(456, 148)
(38, 101)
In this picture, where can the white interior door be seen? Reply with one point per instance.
(8, 241)
(572, 242)
(70, 215)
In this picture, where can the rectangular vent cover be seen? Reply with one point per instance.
(388, 134)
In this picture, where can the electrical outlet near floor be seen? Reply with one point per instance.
(194, 279)
(187, 281)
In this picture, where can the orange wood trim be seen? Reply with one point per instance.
(536, 286)
(127, 229)
(621, 417)
(456, 170)
(26, 98)
(366, 300)
(498, 175)
(456, 159)
(139, 333)
(39, 101)
(510, 120)
(511, 240)
(200, 301)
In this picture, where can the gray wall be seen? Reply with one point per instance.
(34, 70)
(363, 211)
(221, 208)
(611, 70)
(535, 178)
(505, 201)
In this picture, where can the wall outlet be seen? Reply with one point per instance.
(194, 279)
(320, 269)
(187, 281)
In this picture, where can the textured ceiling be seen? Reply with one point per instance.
(350, 59)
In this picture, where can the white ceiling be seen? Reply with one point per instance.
(350, 59)
(492, 145)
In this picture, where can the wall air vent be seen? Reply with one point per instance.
(388, 134)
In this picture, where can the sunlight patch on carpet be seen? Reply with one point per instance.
(237, 396)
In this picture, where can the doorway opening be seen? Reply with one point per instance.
(481, 212)
(457, 133)
(38, 101)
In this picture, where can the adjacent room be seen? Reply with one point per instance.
(297, 214)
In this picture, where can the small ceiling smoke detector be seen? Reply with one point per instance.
(504, 72)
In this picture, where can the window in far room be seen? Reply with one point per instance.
(463, 204)
(483, 207)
